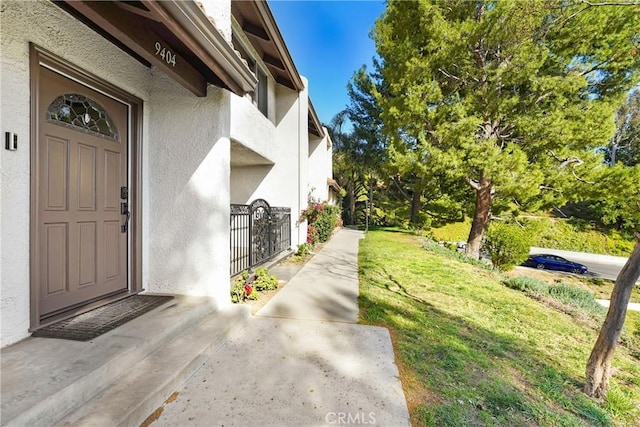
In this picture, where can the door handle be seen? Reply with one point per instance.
(124, 210)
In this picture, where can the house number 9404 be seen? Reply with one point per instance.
(166, 55)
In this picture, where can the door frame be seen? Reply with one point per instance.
(41, 57)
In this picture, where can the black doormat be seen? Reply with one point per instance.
(87, 326)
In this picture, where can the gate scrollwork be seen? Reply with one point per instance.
(260, 213)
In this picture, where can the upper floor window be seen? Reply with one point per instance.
(82, 113)
(260, 94)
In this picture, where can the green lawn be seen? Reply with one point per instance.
(474, 352)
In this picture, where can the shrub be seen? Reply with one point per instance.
(526, 284)
(238, 291)
(567, 294)
(264, 281)
(321, 219)
(312, 236)
(507, 244)
(303, 249)
(243, 288)
(452, 232)
(251, 293)
(576, 297)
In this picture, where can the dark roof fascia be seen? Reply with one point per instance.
(194, 21)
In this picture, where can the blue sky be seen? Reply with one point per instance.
(329, 41)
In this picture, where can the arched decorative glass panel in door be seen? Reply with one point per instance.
(82, 113)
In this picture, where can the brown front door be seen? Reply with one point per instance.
(82, 235)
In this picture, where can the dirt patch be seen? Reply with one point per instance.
(415, 391)
(265, 296)
(156, 414)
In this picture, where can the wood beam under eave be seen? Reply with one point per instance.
(255, 31)
(138, 11)
(286, 82)
(314, 130)
(133, 33)
(274, 62)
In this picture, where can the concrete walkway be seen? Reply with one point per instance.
(632, 306)
(302, 360)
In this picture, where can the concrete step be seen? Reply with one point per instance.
(131, 399)
(43, 378)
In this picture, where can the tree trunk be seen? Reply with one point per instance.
(480, 218)
(371, 183)
(416, 206)
(599, 365)
(614, 149)
(351, 189)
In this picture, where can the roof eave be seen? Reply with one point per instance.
(315, 127)
(278, 40)
(232, 70)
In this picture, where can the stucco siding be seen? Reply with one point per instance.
(290, 178)
(189, 155)
(251, 128)
(245, 181)
(318, 171)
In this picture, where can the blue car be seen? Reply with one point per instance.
(554, 262)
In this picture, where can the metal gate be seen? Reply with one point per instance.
(258, 233)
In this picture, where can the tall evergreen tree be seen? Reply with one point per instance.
(359, 152)
(505, 96)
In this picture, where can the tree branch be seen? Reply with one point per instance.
(566, 161)
(404, 193)
(595, 67)
(546, 187)
(571, 160)
(581, 179)
(543, 97)
(449, 75)
(474, 184)
(562, 22)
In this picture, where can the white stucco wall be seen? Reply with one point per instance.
(188, 212)
(318, 172)
(50, 27)
(251, 128)
(292, 108)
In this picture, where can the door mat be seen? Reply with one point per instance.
(87, 326)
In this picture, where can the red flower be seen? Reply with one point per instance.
(248, 289)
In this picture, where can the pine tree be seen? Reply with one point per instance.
(505, 96)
